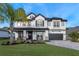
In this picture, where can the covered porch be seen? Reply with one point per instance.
(32, 33)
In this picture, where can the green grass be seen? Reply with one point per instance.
(35, 50)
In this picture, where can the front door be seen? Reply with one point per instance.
(30, 35)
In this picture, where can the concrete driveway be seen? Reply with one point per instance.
(66, 44)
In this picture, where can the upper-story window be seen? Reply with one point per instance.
(56, 24)
(39, 23)
(62, 23)
(31, 17)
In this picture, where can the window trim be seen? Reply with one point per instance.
(56, 24)
(40, 25)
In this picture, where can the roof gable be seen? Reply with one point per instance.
(31, 15)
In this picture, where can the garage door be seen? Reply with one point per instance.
(55, 36)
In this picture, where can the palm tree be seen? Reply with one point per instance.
(8, 13)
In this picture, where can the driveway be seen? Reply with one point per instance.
(66, 44)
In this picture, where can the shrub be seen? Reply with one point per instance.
(74, 36)
(8, 43)
(5, 43)
(28, 41)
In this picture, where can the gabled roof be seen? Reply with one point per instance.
(31, 13)
(39, 15)
(48, 19)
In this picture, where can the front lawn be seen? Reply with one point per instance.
(36, 50)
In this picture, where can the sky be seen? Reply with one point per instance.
(69, 11)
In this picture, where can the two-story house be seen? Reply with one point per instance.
(41, 28)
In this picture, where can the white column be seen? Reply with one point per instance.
(64, 36)
(34, 35)
(16, 35)
(45, 35)
(24, 34)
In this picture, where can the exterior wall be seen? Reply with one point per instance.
(45, 23)
(41, 18)
(33, 23)
(61, 27)
(45, 34)
(20, 24)
(36, 33)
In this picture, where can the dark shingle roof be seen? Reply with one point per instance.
(48, 19)
(57, 18)
(31, 13)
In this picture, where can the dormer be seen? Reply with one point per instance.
(31, 15)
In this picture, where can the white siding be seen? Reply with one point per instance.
(50, 26)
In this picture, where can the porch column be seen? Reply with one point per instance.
(16, 35)
(34, 36)
(24, 34)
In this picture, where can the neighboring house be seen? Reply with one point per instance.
(41, 28)
(4, 33)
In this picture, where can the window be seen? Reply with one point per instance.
(56, 24)
(39, 23)
(62, 23)
(31, 17)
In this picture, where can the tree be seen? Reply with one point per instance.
(21, 15)
(8, 13)
(74, 36)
